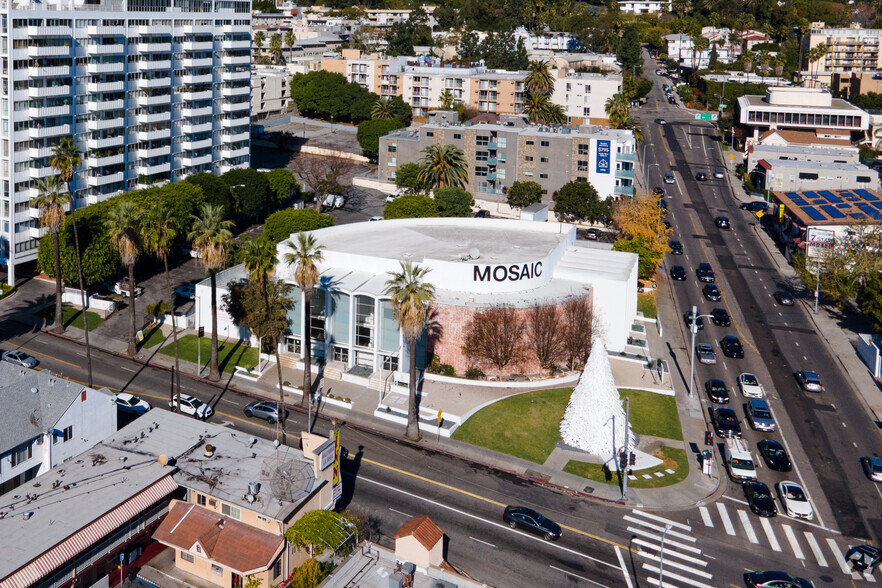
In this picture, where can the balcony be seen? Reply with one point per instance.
(153, 100)
(36, 233)
(102, 105)
(190, 128)
(49, 32)
(225, 167)
(235, 91)
(232, 76)
(155, 152)
(231, 153)
(492, 146)
(190, 62)
(197, 46)
(49, 51)
(40, 133)
(44, 111)
(105, 142)
(228, 44)
(113, 67)
(152, 65)
(109, 49)
(492, 161)
(624, 190)
(196, 96)
(625, 173)
(107, 123)
(229, 29)
(96, 162)
(194, 161)
(154, 134)
(235, 60)
(154, 82)
(194, 145)
(36, 173)
(235, 106)
(154, 117)
(99, 31)
(98, 87)
(149, 170)
(144, 48)
(235, 137)
(229, 123)
(152, 30)
(56, 71)
(196, 29)
(491, 177)
(39, 152)
(194, 79)
(103, 180)
(626, 156)
(194, 112)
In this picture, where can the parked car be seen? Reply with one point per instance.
(722, 222)
(661, 121)
(705, 273)
(122, 288)
(759, 499)
(774, 455)
(701, 177)
(731, 347)
(669, 178)
(130, 403)
(699, 321)
(750, 386)
(720, 317)
(264, 409)
(726, 423)
(872, 467)
(521, 517)
(671, 100)
(379, 218)
(774, 580)
(676, 248)
(719, 174)
(593, 234)
(809, 381)
(662, 204)
(784, 298)
(192, 406)
(706, 353)
(717, 391)
(24, 360)
(678, 273)
(334, 201)
(759, 416)
(187, 291)
(795, 501)
(480, 214)
(712, 292)
(658, 191)
(755, 206)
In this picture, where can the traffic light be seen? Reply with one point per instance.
(201, 331)
(623, 461)
(632, 459)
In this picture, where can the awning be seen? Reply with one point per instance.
(80, 541)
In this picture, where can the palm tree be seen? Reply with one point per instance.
(629, 124)
(747, 61)
(443, 165)
(554, 115)
(536, 106)
(802, 27)
(617, 108)
(539, 79)
(699, 44)
(289, 41)
(210, 234)
(778, 64)
(275, 46)
(259, 39)
(260, 260)
(123, 225)
(446, 100)
(307, 253)
(815, 56)
(65, 158)
(51, 202)
(411, 296)
(383, 109)
(764, 60)
(158, 233)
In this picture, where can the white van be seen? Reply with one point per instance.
(739, 461)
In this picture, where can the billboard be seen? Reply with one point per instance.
(603, 156)
(818, 245)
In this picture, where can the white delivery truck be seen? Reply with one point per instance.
(739, 461)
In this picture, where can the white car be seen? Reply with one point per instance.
(795, 501)
(20, 358)
(130, 403)
(750, 386)
(193, 406)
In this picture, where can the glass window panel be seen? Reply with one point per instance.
(364, 321)
(388, 328)
(317, 309)
(295, 311)
(340, 317)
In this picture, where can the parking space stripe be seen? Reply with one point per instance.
(816, 549)
(748, 528)
(770, 534)
(727, 522)
(654, 517)
(791, 537)
(705, 516)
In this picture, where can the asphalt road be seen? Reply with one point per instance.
(826, 433)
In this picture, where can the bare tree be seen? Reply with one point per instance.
(322, 175)
(544, 328)
(577, 331)
(495, 335)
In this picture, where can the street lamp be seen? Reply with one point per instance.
(661, 555)
(694, 328)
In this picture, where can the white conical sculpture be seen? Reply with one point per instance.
(595, 420)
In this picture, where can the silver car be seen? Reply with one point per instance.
(872, 467)
(759, 415)
(264, 409)
(706, 353)
(809, 381)
(20, 358)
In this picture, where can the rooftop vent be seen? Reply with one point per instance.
(34, 390)
(474, 253)
(28, 515)
(254, 488)
(209, 450)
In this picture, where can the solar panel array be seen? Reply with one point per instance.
(832, 205)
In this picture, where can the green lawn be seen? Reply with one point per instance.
(646, 305)
(525, 426)
(229, 355)
(653, 414)
(152, 337)
(672, 458)
(71, 317)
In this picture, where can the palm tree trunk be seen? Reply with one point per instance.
(213, 372)
(132, 349)
(73, 221)
(171, 297)
(307, 353)
(58, 325)
(413, 424)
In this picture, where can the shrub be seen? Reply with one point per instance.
(447, 370)
(474, 373)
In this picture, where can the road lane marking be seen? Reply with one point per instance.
(840, 559)
(770, 534)
(662, 520)
(674, 576)
(670, 532)
(705, 516)
(494, 523)
(676, 544)
(624, 567)
(727, 522)
(738, 500)
(674, 564)
(670, 552)
(401, 513)
(791, 537)
(816, 549)
(575, 575)
(478, 540)
(748, 528)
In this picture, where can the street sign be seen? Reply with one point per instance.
(731, 156)
(707, 116)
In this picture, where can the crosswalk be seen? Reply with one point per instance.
(669, 551)
(793, 537)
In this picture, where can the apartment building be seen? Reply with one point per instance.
(849, 50)
(150, 93)
(270, 91)
(645, 6)
(421, 82)
(511, 150)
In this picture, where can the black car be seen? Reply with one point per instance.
(671, 100)
(667, 224)
(712, 293)
(676, 248)
(527, 519)
(722, 222)
(726, 423)
(720, 317)
(705, 273)
(658, 191)
(662, 204)
(717, 391)
(784, 298)
(774, 580)
(701, 177)
(774, 455)
(759, 499)
(482, 214)
(731, 347)
(678, 273)
(754, 206)
(687, 318)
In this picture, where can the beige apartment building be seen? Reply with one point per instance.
(421, 82)
(852, 50)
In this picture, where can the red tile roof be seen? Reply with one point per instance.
(223, 540)
(423, 529)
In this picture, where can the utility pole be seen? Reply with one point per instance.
(692, 327)
(817, 285)
(627, 451)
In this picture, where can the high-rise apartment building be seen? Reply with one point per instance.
(151, 91)
(850, 50)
